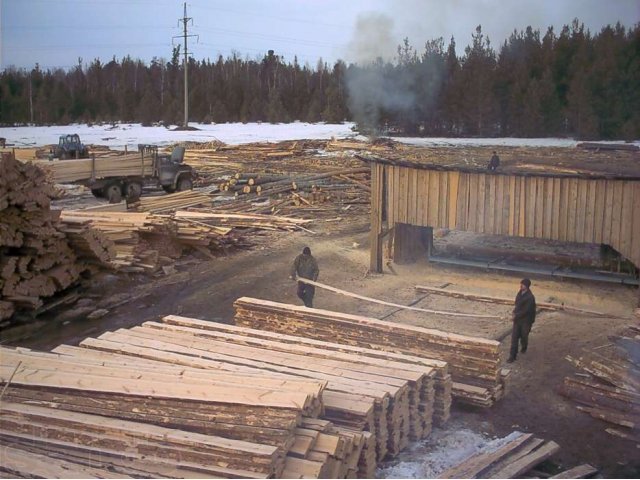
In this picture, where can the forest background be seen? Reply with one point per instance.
(567, 84)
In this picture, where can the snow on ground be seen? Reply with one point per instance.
(119, 135)
(443, 449)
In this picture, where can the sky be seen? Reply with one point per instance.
(57, 33)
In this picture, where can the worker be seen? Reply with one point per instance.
(524, 314)
(305, 266)
(494, 163)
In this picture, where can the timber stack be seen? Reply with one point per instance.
(65, 171)
(607, 387)
(282, 406)
(474, 363)
(36, 259)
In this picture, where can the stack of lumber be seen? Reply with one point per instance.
(309, 409)
(65, 171)
(234, 220)
(391, 400)
(608, 386)
(175, 201)
(36, 261)
(474, 363)
(520, 454)
(88, 243)
(221, 424)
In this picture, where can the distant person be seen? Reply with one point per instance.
(494, 163)
(524, 314)
(305, 266)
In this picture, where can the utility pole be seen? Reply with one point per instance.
(185, 20)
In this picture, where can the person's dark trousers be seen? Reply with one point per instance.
(306, 293)
(520, 333)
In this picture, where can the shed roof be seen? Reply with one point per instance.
(539, 161)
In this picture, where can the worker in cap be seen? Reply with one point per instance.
(524, 314)
(305, 266)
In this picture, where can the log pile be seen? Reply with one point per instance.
(65, 171)
(36, 260)
(283, 406)
(474, 363)
(520, 454)
(608, 384)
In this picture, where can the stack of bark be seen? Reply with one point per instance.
(517, 456)
(474, 363)
(608, 386)
(36, 261)
(65, 171)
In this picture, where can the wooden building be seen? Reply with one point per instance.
(524, 200)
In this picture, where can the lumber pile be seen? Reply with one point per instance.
(174, 201)
(474, 363)
(65, 171)
(607, 387)
(281, 406)
(36, 260)
(520, 454)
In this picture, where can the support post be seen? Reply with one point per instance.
(377, 201)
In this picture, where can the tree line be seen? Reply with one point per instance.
(568, 84)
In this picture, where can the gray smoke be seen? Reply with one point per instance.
(373, 87)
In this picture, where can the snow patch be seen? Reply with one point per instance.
(445, 448)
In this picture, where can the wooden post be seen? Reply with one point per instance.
(428, 231)
(377, 200)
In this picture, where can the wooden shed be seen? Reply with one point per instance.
(525, 199)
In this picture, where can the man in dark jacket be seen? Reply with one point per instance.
(524, 314)
(494, 163)
(305, 266)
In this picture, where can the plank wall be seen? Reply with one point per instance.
(566, 209)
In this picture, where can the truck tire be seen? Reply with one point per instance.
(185, 183)
(133, 190)
(113, 193)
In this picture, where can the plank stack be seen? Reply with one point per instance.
(518, 455)
(474, 363)
(608, 384)
(36, 261)
(65, 171)
(228, 401)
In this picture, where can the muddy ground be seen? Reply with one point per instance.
(206, 289)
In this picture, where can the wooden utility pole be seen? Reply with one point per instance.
(185, 21)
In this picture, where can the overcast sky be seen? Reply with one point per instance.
(55, 33)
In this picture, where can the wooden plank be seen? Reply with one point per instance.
(607, 230)
(377, 201)
(635, 231)
(555, 212)
(528, 461)
(573, 210)
(627, 220)
(462, 213)
(443, 210)
(581, 209)
(539, 214)
(474, 194)
(564, 209)
(581, 471)
(548, 208)
(598, 220)
(434, 198)
(523, 206)
(492, 202)
(412, 195)
(420, 197)
(454, 183)
(512, 206)
(590, 220)
(616, 214)
(481, 197)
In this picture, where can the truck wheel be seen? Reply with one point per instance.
(97, 192)
(185, 183)
(133, 191)
(168, 188)
(113, 193)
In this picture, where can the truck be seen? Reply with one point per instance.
(154, 169)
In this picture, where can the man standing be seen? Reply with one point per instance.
(305, 266)
(494, 163)
(524, 314)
